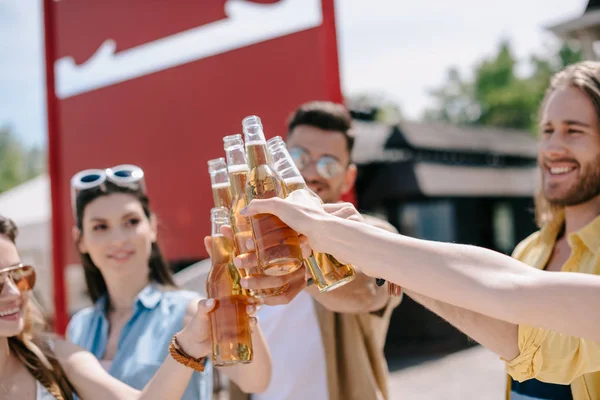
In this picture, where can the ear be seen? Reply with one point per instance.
(349, 178)
(153, 228)
(78, 239)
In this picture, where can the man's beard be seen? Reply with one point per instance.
(585, 190)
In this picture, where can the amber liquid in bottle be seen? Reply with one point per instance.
(222, 195)
(230, 323)
(327, 272)
(219, 181)
(277, 244)
(242, 229)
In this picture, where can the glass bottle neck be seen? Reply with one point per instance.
(235, 155)
(219, 177)
(217, 225)
(238, 178)
(257, 154)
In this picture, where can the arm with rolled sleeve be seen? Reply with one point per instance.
(553, 357)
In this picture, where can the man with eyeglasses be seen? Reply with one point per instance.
(325, 346)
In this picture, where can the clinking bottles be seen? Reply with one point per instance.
(230, 323)
(242, 230)
(277, 245)
(327, 272)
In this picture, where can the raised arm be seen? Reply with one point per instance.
(470, 277)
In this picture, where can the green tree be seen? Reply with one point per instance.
(17, 163)
(497, 95)
(455, 101)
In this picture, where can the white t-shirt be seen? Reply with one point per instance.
(294, 337)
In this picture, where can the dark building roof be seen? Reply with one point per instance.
(412, 160)
(377, 142)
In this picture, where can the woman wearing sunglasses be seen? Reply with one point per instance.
(470, 277)
(137, 307)
(34, 365)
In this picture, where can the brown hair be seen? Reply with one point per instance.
(160, 272)
(585, 76)
(28, 345)
(324, 115)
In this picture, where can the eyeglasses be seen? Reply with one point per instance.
(327, 166)
(23, 276)
(125, 175)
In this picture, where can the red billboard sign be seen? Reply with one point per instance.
(157, 84)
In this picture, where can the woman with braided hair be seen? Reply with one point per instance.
(34, 365)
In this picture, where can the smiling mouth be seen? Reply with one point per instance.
(121, 256)
(560, 170)
(10, 313)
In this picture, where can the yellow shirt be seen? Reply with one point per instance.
(547, 355)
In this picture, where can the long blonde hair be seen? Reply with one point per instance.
(585, 76)
(30, 347)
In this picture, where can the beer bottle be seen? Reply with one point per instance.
(284, 166)
(326, 271)
(237, 166)
(277, 245)
(230, 323)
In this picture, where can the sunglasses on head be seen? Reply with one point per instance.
(23, 276)
(327, 167)
(126, 175)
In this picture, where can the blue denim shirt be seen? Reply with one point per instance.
(145, 338)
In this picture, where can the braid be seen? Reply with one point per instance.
(47, 370)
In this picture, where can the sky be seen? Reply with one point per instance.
(396, 49)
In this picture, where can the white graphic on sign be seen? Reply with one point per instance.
(247, 24)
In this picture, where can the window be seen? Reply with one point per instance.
(432, 220)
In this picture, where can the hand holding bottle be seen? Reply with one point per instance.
(302, 213)
(252, 308)
(194, 338)
(295, 281)
(299, 210)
